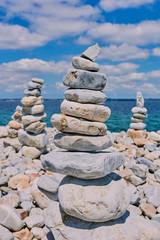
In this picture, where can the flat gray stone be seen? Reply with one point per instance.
(10, 218)
(38, 80)
(33, 85)
(28, 119)
(5, 234)
(32, 152)
(91, 52)
(82, 165)
(136, 120)
(84, 79)
(153, 195)
(130, 226)
(36, 109)
(140, 100)
(49, 183)
(85, 96)
(90, 200)
(138, 126)
(139, 110)
(84, 64)
(92, 112)
(81, 143)
(73, 125)
(31, 140)
(35, 127)
(141, 116)
(34, 92)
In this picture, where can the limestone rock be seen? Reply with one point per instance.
(87, 111)
(38, 80)
(28, 119)
(3, 132)
(49, 183)
(13, 143)
(5, 234)
(138, 126)
(81, 143)
(137, 134)
(130, 226)
(33, 85)
(11, 199)
(10, 218)
(36, 109)
(15, 125)
(24, 234)
(85, 96)
(92, 52)
(84, 64)
(139, 110)
(153, 195)
(85, 80)
(140, 100)
(82, 165)
(140, 116)
(18, 179)
(32, 152)
(35, 127)
(73, 125)
(90, 200)
(154, 136)
(148, 209)
(29, 101)
(34, 220)
(136, 120)
(39, 141)
(12, 133)
(34, 92)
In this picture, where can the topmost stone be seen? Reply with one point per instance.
(38, 80)
(92, 52)
(140, 100)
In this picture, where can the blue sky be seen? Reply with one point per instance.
(39, 38)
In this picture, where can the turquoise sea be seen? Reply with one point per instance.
(120, 112)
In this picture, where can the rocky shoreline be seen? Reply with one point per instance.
(28, 191)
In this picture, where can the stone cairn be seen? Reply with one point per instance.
(33, 137)
(139, 114)
(90, 192)
(16, 123)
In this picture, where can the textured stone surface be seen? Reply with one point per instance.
(39, 141)
(139, 110)
(34, 92)
(84, 64)
(138, 126)
(148, 209)
(33, 85)
(130, 226)
(29, 101)
(136, 120)
(10, 218)
(82, 165)
(32, 152)
(35, 127)
(90, 200)
(38, 80)
(3, 132)
(81, 143)
(136, 134)
(91, 52)
(13, 143)
(84, 79)
(154, 136)
(49, 183)
(33, 110)
(140, 100)
(85, 96)
(28, 119)
(18, 179)
(5, 234)
(14, 124)
(73, 125)
(153, 195)
(87, 111)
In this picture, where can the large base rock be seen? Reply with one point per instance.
(82, 165)
(130, 226)
(97, 200)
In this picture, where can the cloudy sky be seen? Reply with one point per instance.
(38, 38)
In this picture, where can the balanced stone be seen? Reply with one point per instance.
(92, 52)
(32, 152)
(84, 79)
(33, 85)
(35, 127)
(87, 111)
(140, 100)
(30, 140)
(28, 119)
(97, 200)
(38, 80)
(136, 120)
(140, 116)
(33, 110)
(40, 100)
(29, 101)
(139, 110)
(85, 96)
(138, 126)
(81, 164)
(81, 143)
(34, 92)
(74, 125)
(15, 125)
(84, 64)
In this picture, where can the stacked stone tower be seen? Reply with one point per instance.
(33, 137)
(91, 192)
(16, 123)
(139, 114)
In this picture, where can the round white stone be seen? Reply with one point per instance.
(84, 64)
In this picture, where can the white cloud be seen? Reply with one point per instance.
(119, 69)
(156, 52)
(149, 88)
(123, 52)
(60, 86)
(143, 33)
(110, 5)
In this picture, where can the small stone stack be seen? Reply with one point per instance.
(91, 192)
(16, 123)
(33, 137)
(139, 114)
(81, 102)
